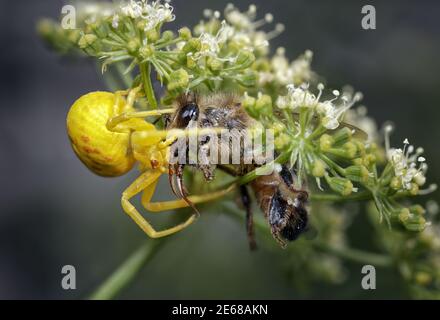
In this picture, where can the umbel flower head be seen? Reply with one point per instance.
(153, 13)
(330, 110)
(409, 166)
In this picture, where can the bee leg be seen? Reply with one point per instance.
(246, 200)
(147, 181)
(275, 233)
(171, 171)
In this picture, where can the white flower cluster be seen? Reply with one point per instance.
(90, 12)
(211, 44)
(242, 27)
(153, 14)
(409, 166)
(246, 27)
(283, 72)
(331, 111)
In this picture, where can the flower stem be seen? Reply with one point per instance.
(126, 78)
(145, 70)
(347, 253)
(356, 255)
(365, 195)
(122, 277)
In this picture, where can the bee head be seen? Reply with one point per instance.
(187, 110)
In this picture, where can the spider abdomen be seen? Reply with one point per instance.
(104, 152)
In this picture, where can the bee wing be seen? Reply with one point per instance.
(357, 132)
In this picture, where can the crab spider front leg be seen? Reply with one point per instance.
(131, 94)
(179, 203)
(148, 179)
(123, 117)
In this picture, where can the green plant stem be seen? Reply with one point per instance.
(123, 275)
(365, 195)
(356, 255)
(126, 78)
(347, 253)
(110, 80)
(145, 70)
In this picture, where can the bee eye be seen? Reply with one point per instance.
(188, 113)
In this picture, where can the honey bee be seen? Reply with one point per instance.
(284, 207)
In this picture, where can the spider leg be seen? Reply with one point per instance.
(120, 118)
(148, 181)
(180, 203)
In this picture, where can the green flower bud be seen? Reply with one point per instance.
(185, 33)
(318, 168)
(152, 35)
(417, 209)
(190, 62)
(278, 128)
(167, 36)
(74, 35)
(357, 173)
(90, 44)
(415, 223)
(263, 105)
(245, 59)
(369, 159)
(395, 183)
(133, 46)
(414, 189)
(192, 45)
(146, 51)
(403, 215)
(99, 29)
(248, 104)
(141, 24)
(360, 145)
(281, 141)
(87, 41)
(342, 136)
(262, 65)
(340, 185)
(325, 142)
(214, 64)
(179, 80)
(248, 79)
(350, 149)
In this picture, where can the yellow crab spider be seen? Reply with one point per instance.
(109, 136)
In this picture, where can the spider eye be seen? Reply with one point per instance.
(188, 113)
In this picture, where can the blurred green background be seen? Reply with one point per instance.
(54, 212)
